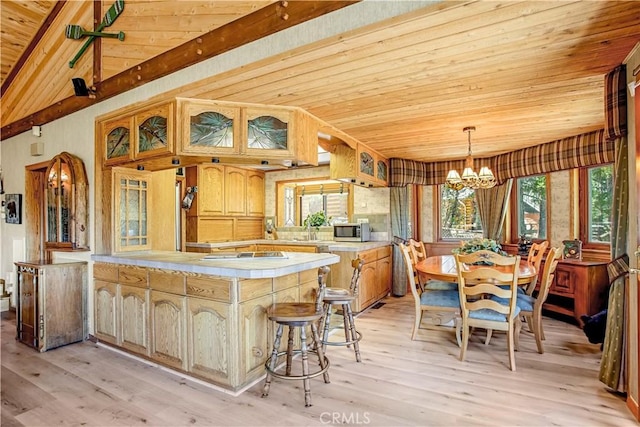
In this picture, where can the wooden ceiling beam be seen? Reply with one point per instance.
(264, 22)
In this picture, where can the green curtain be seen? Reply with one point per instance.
(612, 365)
(400, 228)
(492, 207)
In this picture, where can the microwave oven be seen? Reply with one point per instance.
(351, 232)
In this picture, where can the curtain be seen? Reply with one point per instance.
(492, 207)
(612, 365)
(400, 228)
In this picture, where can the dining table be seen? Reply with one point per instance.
(443, 267)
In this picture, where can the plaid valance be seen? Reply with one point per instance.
(615, 103)
(574, 152)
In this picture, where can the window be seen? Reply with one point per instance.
(596, 198)
(531, 207)
(459, 216)
(301, 198)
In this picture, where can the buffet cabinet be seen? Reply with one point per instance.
(51, 303)
(579, 287)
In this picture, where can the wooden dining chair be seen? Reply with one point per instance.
(440, 306)
(478, 286)
(419, 253)
(534, 258)
(531, 307)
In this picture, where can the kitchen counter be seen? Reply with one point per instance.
(322, 245)
(250, 268)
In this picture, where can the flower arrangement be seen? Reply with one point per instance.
(479, 244)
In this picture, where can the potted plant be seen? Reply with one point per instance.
(315, 221)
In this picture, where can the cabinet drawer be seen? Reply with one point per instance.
(253, 288)
(368, 256)
(383, 252)
(133, 276)
(209, 287)
(563, 283)
(285, 282)
(167, 281)
(106, 272)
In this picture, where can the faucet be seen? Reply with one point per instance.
(308, 230)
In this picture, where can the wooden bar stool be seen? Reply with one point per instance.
(298, 315)
(344, 297)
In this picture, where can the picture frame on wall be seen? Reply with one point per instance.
(13, 208)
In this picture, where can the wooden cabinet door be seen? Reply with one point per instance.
(154, 130)
(208, 343)
(255, 193)
(134, 314)
(268, 133)
(235, 191)
(168, 329)
(256, 337)
(383, 267)
(368, 285)
(106, 320)
(116, 140)
(210, 196)
(208, 128)
(27, 305)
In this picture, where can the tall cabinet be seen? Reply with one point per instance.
(51, 303)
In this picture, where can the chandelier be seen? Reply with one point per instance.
(470, 179)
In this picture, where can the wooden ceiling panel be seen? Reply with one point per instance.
(19, 22)
(154, 27)
(523, 72)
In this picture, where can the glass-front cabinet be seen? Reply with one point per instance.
(209, 129)
(132, 191)
(154, 131)
(268, 133)
(117, 144)
(66, 215)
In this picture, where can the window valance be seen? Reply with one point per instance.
(587, 149)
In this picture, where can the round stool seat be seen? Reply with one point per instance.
(338, 296)
(294, 313)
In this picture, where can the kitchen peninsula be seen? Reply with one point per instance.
(207, 318)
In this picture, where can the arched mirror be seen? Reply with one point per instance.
(66, 199)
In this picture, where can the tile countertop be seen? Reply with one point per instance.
(326, 245)
(247, 268)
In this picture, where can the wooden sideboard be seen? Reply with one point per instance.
(579, 287)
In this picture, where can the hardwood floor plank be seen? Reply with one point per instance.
(399, 382)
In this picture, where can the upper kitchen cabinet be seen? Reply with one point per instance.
(361, 166)
(67, 196)
(117, 140)
(154, 130)
(208, 128)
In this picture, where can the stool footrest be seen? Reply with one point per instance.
(297, 377)
(344, 343)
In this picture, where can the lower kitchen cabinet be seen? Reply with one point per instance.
(256, 334)
(208, 341)
(375, 281)
(168, 329)
(106, 321)
(134, 314)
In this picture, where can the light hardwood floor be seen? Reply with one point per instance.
(399, 382)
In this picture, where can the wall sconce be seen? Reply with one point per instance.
(80, 88)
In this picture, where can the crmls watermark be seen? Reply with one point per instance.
(356, 418)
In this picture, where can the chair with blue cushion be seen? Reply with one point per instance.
(477, 285)
(440, 306)
(419, 253)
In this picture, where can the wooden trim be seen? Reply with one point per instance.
(32, 45)
(259, 24)
(35, 179)
(633, 406)
(583, 214)
(513, 212)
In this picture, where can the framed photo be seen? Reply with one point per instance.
(13, 208)
(572, 249)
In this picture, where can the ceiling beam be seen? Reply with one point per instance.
(261, 23)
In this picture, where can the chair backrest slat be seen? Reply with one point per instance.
(357, 264)
(323, 272)
(546, 278)
(534, 258)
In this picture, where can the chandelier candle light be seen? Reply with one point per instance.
(470, 179)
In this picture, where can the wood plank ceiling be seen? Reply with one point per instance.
(523, 72)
